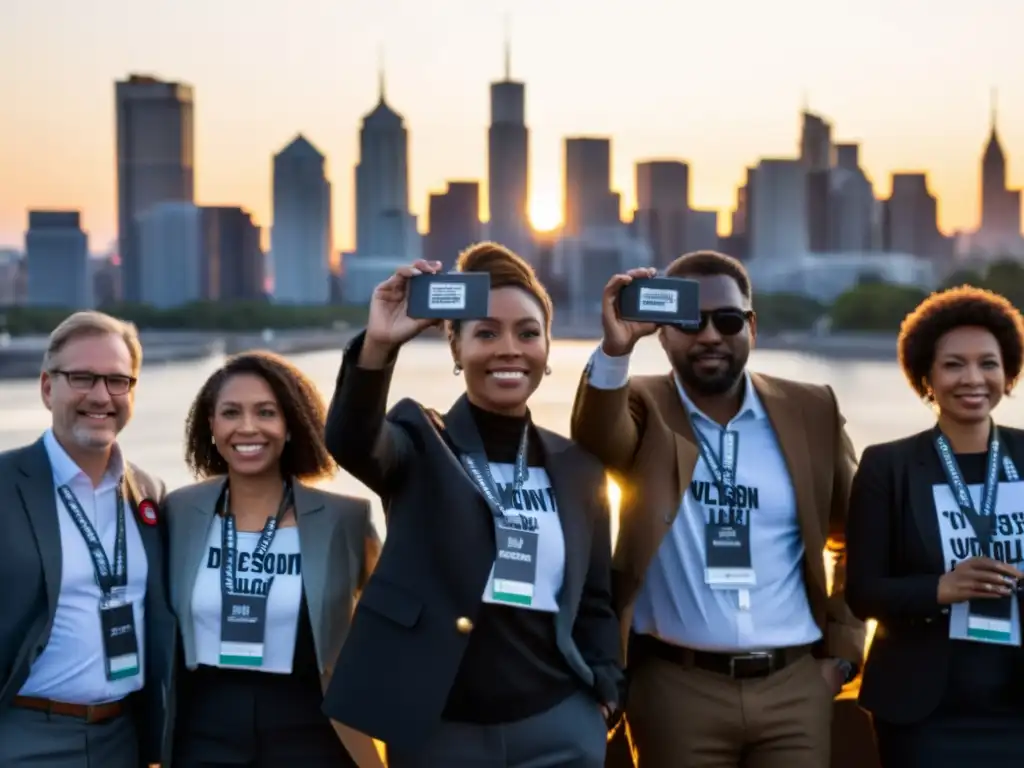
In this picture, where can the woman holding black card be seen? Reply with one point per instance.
(935, 537)
(486, 635)
(265, 570)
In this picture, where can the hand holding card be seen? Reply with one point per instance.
(389, 325)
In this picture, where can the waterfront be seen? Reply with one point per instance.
(874, 397)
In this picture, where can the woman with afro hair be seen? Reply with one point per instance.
(935, 540)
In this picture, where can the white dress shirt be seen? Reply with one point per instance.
(72, 668)
(675, 604)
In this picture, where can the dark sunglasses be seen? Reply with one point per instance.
(727, 322)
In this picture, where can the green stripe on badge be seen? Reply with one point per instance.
(508, 597)
(242, 661)
(988, 634)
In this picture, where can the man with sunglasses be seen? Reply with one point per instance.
(86, 630)
(733, 483)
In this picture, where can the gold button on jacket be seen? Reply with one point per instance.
(464, 625)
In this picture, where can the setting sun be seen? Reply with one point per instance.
(545, 211)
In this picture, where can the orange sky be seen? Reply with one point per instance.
(718, 86)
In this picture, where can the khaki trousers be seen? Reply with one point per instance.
(689, 718)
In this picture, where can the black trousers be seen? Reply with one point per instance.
(238, 718)
(951, 741)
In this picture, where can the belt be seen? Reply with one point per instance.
(91, 713)
(738, 666)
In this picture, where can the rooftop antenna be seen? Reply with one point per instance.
(380, 73)
(508, 50)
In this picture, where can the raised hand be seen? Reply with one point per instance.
(389, 325)
(620, 336)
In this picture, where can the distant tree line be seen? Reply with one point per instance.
(873, 306)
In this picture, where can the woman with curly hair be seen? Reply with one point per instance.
(934, 543)
(486, 636)
(264, 574)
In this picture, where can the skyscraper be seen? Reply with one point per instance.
(589, 200)
(155, 157)
(454, 222)
(384, 225)
(301, 235)
(663, 206)
(1000, 206)
(508, 163)
(57, 260)
(779, 228)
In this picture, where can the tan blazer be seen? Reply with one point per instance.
(340, 548)
(642, 434)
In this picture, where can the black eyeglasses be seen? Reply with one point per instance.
(116, 383)
(727, 321)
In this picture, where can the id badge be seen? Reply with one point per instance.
(727, 556)
(990, 621)
(120, 642)
(515, 568)
(242, 624)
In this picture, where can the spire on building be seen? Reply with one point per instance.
(993, 151)
(381, 84)
(508, 52)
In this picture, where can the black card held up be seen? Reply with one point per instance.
(450, 296)
(662, 300)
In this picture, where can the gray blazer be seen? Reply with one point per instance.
(339, 550)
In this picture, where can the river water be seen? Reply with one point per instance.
(874, 397)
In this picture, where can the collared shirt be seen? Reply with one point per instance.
(674, 603)
(72, 667)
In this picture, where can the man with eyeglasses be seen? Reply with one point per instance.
(733, 483)
(86, 631)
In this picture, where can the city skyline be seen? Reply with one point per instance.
(70, 124)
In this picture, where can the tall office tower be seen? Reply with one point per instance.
(155, 160)
(589, 200)
(663, 208)
(171, 255)
(454, 222)
(816, 150)
(234, 266)
(384, 225)
(301, 237)
(1000, 206)
(852, 208)
(911, 215)
(779, 228)
(57, 260)
(508, 165)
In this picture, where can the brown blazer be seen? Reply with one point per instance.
(642, 434)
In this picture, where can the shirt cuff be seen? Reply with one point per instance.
(607, 372)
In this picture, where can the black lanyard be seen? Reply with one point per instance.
(479, 470)
(723, 466)
(108, 578)
(981, 520)
(229, 538)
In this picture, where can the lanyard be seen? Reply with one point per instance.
(723, 466)
(229, 538)
(479, 470)
(981, 520)
(108, 578)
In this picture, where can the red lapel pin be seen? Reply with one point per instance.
(147, 511)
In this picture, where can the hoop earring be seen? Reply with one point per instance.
(547, 370)
(213, 440)
(456, 369)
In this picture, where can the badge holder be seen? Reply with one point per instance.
(515, 568)
(120, 642)
(243, 619)
(995, 621)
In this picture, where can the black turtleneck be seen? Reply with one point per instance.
(512, 667)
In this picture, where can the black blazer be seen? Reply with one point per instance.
(893, 564)
(30, 557)
(413, 620)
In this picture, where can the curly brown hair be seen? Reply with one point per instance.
(304, 457)
(954, 308)
(507, 270)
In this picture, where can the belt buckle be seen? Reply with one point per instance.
(737, 664)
